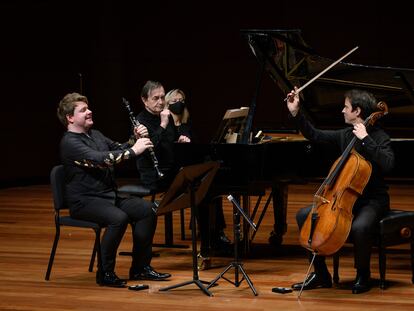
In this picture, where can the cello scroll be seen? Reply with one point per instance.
(382, 111)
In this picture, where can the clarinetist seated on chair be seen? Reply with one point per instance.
(90, 192)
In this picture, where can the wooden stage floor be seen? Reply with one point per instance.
(26, 236)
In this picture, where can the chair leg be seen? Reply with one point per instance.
(182, 220)
(382, 266)
(96, 250)
(412, 260)
(335, 268)
(99, 253)
(52, 253)
(168, 224)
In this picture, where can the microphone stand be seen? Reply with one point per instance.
(237, 264)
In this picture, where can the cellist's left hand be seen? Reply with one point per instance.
(360, 131)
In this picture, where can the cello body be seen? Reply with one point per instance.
(328, 224)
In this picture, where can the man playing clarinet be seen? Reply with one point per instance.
(89, 158)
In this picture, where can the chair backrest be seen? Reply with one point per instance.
(57, 181)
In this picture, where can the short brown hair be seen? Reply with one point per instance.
(67, 106)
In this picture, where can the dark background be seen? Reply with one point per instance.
(49, 47)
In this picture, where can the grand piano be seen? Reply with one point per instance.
(282, 156)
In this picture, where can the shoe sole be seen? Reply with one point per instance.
(316, 287)
(149, 279)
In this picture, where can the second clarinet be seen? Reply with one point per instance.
(135, 123)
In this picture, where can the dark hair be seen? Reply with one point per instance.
(67, 106)
(148, 87)
(364, 100)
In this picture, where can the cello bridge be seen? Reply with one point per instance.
(324, 201)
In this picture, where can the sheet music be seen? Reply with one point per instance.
(232, 125)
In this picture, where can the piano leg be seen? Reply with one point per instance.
(280, 198)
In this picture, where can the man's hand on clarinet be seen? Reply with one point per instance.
(140, 131)
(141, 145)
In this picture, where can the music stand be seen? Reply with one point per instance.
(236, 264)
(232, 126)
(188, 189)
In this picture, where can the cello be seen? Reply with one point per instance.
(327, 226)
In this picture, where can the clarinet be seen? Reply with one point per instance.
(135, 123)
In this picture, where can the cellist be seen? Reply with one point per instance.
(374, 145)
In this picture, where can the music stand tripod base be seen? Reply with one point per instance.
(236, 264)
(195, 279)
(187, 190)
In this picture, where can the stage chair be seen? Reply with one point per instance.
(57, 179)
(141, 191)
(137, 190)
(395, 228)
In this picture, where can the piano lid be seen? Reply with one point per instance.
(290, 61)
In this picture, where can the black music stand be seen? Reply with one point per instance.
(236, 264)
(188, 189)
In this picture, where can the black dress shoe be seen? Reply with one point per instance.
(314, 280)
(362, 284)
(109, 279)
(148, 273)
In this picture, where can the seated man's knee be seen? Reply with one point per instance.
(361, 231)
(301, 216)
(120, 220)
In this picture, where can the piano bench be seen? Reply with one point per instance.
(395, 228)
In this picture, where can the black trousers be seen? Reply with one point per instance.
(116, 214)
(367, 214)
(211, 222)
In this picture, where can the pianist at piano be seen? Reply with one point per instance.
(375, 146)
(211, 227)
